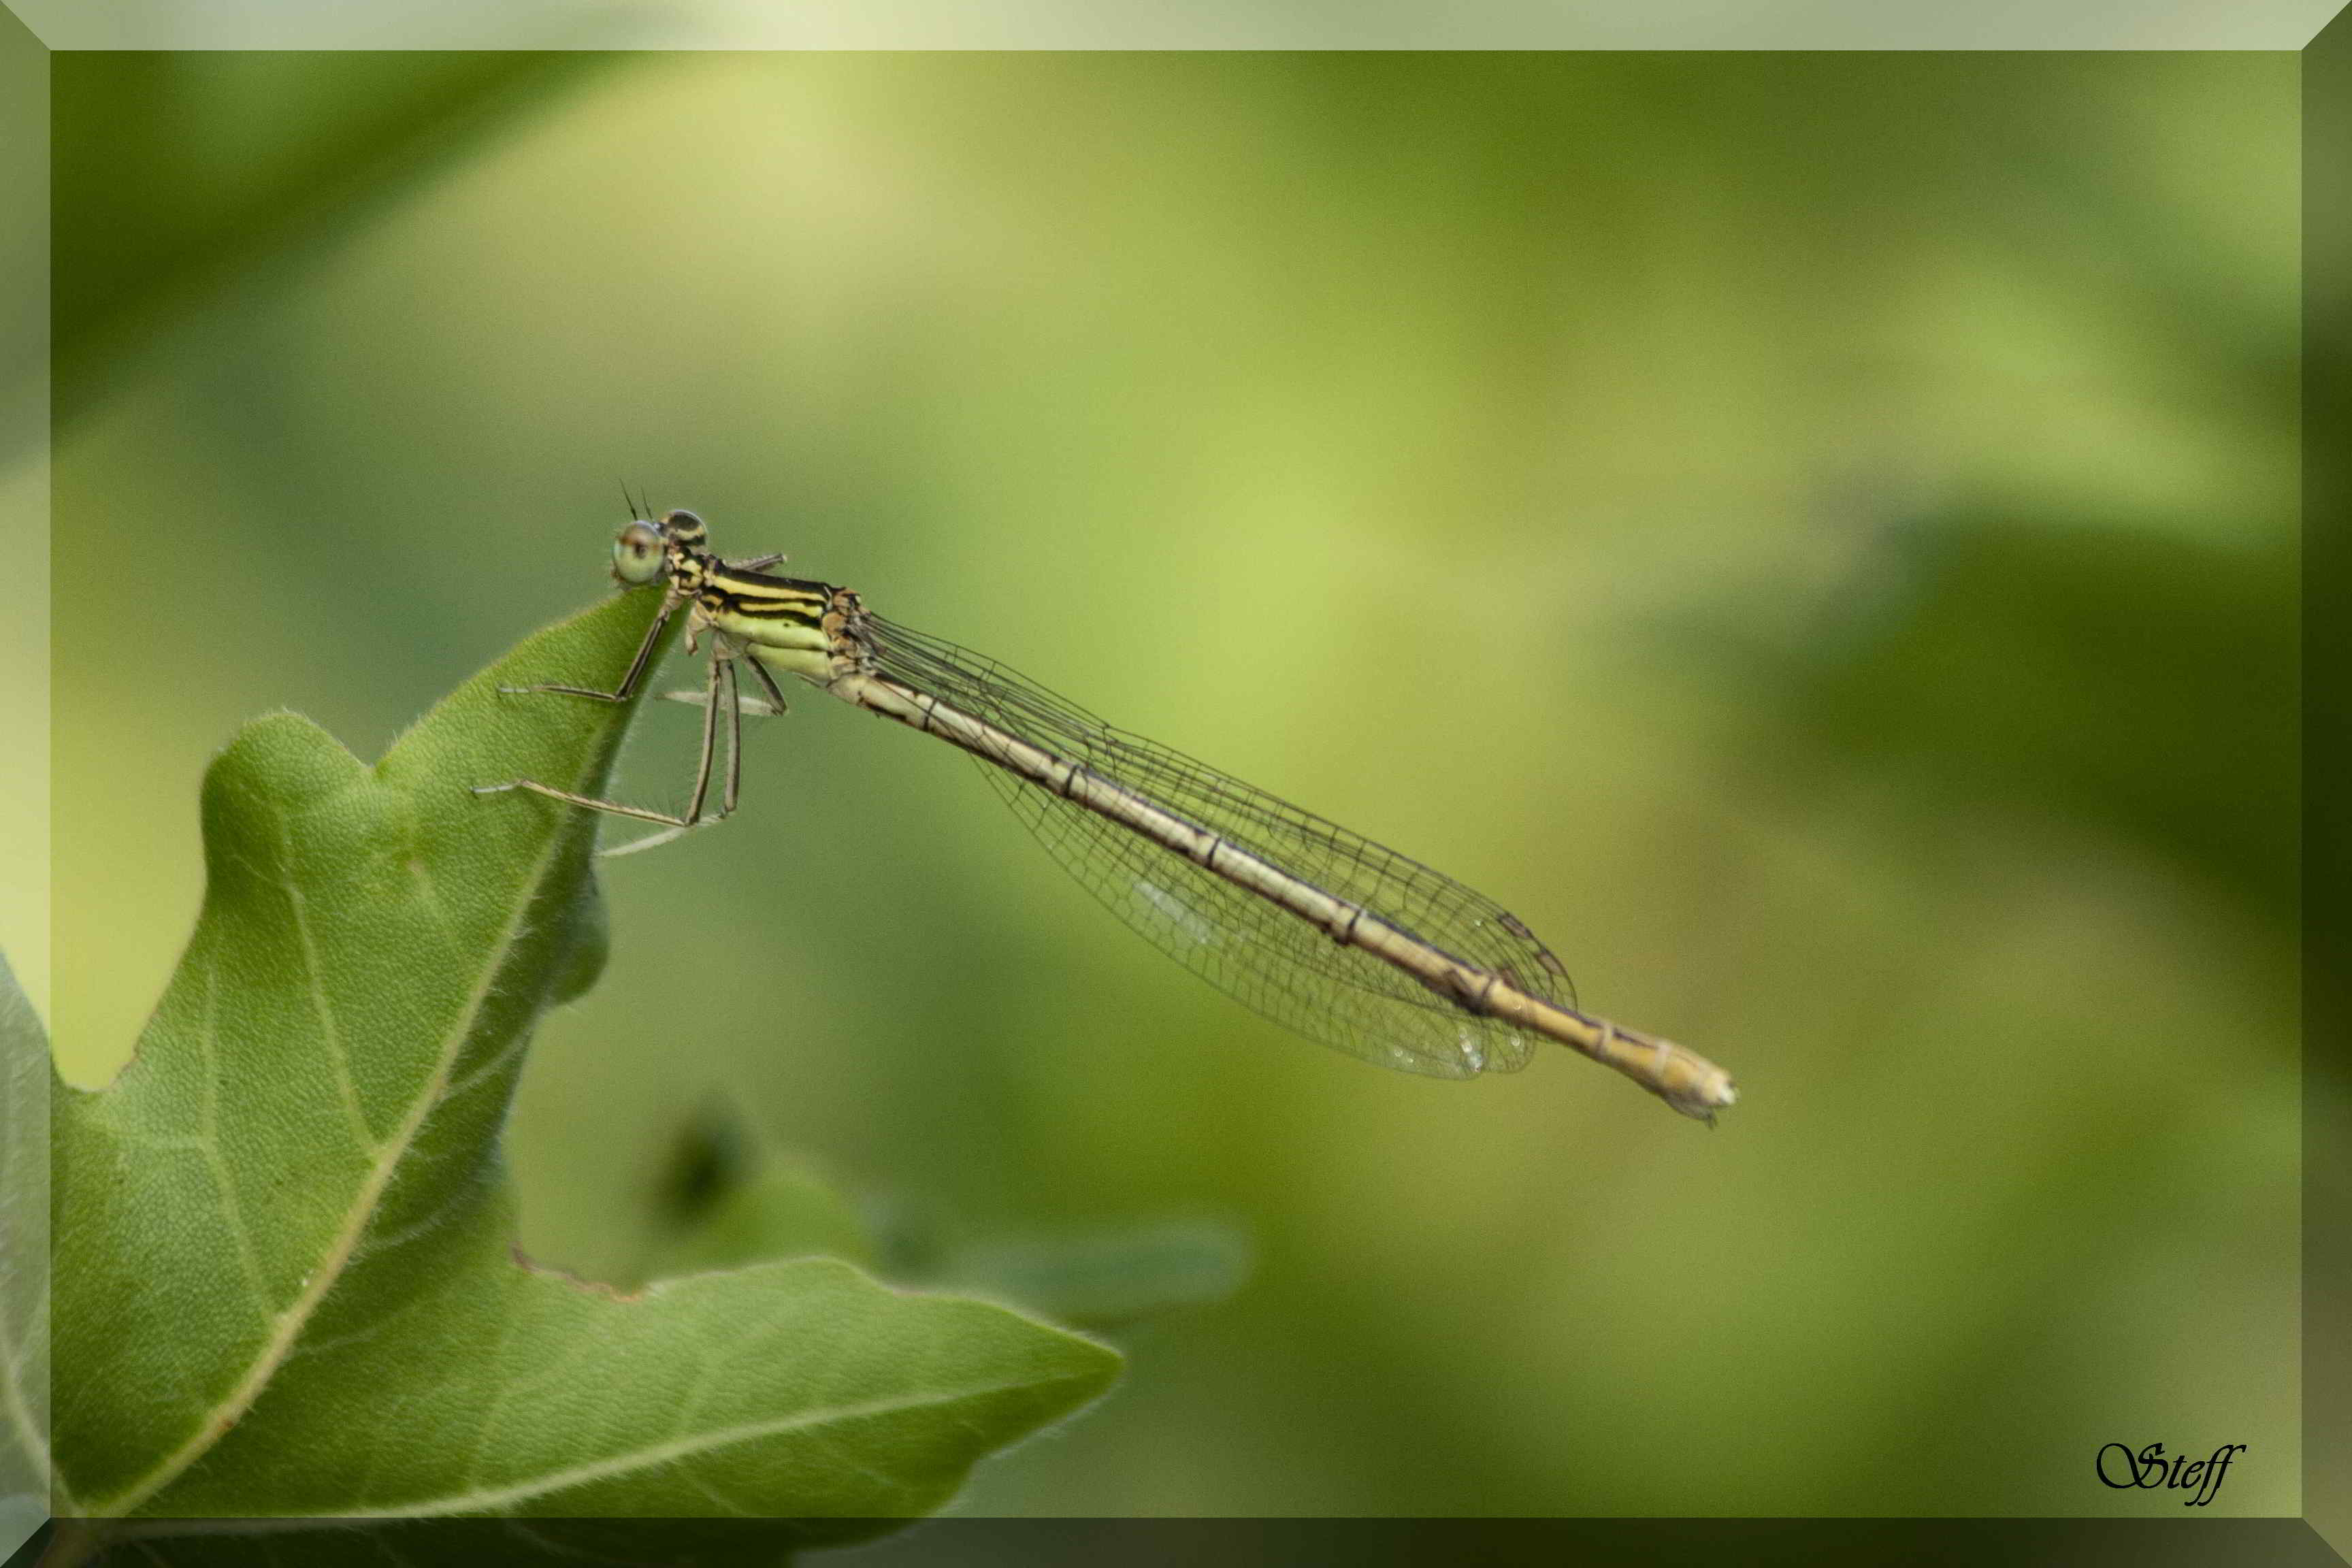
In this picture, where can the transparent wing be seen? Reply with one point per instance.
(1256, 952)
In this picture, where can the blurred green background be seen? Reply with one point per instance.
(1813, 534)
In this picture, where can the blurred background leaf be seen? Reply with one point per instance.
(1108, 1280)
(724, 1201)
(198, 165)
(2118, 672)
(1814, 534)
(721, 1199)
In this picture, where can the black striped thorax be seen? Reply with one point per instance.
(725, 595)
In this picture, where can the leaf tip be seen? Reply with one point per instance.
(282, 753)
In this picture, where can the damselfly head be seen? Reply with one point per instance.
(639, 554)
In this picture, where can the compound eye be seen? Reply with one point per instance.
(638, 556)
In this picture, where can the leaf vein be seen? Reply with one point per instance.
(675, 1451)
(248, 1260)
(715, 1495)
(314, 977)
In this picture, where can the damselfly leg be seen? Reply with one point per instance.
(721, 693)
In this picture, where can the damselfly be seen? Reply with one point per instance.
(1318, 929)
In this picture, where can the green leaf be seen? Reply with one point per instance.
(24, 1267)
(286, 1282)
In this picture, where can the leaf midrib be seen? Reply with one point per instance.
(338, 1256)
(486, 1499)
